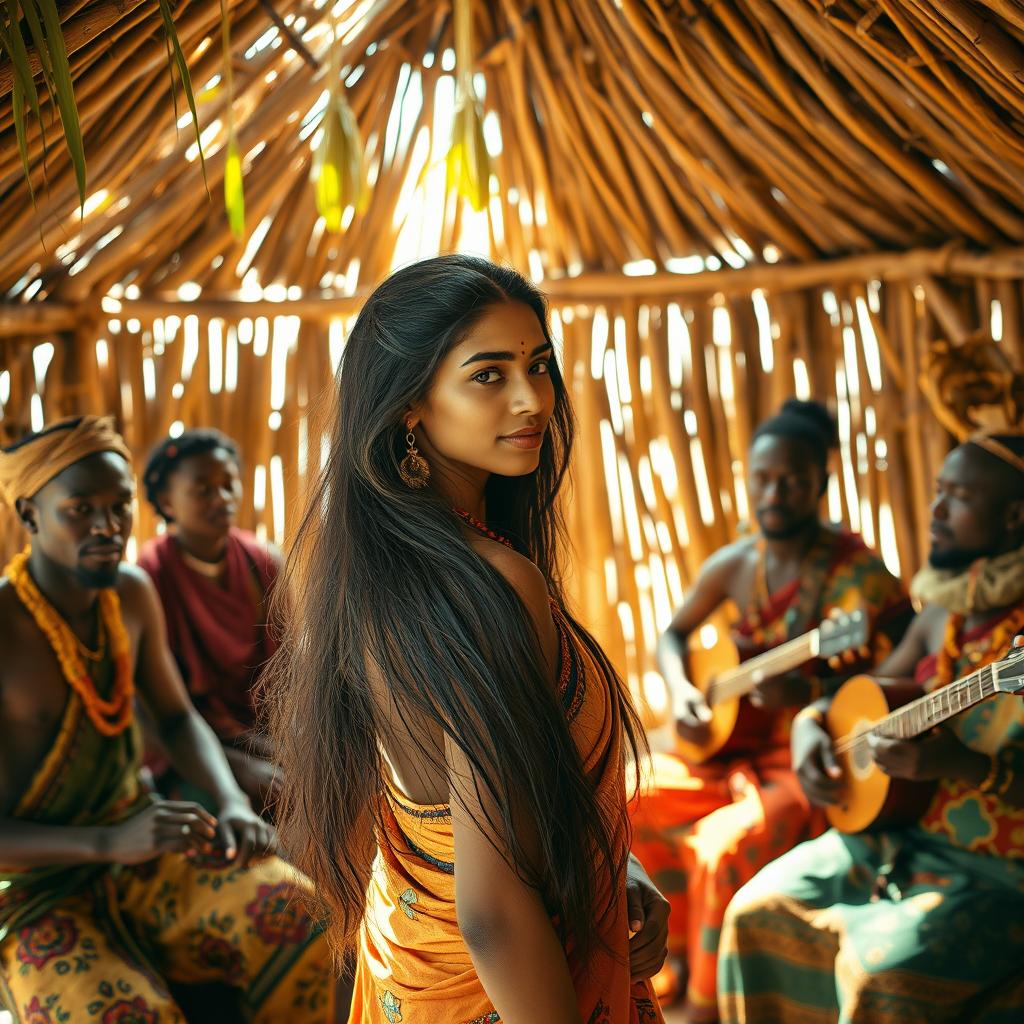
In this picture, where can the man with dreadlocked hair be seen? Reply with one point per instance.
(702, 830)
(882, 926)
(214, 582)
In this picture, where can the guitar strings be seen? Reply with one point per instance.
(736, 680)
(850, 742)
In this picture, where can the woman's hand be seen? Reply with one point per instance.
(648, 918)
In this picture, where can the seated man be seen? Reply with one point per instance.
(106, 896)
(214, 585)
(702, 830)
(921, 923)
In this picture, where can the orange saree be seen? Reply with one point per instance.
(413, 967)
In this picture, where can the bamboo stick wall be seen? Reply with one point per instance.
(667, 393)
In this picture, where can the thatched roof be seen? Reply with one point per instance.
(741, 132)
(727, 201)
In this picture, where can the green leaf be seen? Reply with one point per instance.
(186, 81)
(22, 87)
(234, 195)
(35, 29)
(65, 90)
(18, 102)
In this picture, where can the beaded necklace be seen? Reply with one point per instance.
(482, 527)
(109, 716)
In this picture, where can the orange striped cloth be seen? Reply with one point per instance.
(413, 967)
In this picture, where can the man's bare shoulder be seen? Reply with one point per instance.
(132, 581)
(137, 592)
(731, 557)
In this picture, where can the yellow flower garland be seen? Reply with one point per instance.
(110, 717)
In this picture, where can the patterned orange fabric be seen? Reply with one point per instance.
(413, 967)
(981, 822)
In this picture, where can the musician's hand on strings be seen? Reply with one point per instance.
(814, 761)
(693, 716)
(775, 692)
(936, 755)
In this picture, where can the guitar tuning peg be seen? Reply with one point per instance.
(835, 662)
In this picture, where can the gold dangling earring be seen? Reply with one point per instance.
(413, 469)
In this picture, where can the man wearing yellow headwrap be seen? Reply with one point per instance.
(108, 896)
(884, 926)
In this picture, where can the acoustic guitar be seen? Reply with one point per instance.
(717, 672)
(862, 706)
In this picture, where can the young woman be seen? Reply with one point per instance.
(453, 742)
(214, 582)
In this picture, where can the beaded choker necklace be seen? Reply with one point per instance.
(109, 716)
(482, 527)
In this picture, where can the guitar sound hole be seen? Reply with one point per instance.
(861, 761)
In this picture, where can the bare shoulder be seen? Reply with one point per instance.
(139, 601)
(133, 582)
(729, 559)
(522, 575)
(529, 583)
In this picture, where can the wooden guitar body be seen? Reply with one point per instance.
(870, 798)
(713, 666)
(703, 665)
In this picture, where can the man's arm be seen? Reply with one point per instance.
(813, 758)
(707, 594)
(166, 827)
(711, 590)
(903, 659)
(195, 751)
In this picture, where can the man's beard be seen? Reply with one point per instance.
(792, 529)
(956, 558)
(98, 579)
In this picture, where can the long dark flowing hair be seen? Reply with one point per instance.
(383, 576)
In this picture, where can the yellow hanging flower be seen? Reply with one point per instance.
(337, 168)
(468, 162)
(234, 194)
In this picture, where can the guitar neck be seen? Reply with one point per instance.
(741, 680)
(934, 708)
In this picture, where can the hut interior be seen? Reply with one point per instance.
(727, 203)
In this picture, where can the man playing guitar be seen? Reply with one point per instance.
(709, 818)
(920, 922)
